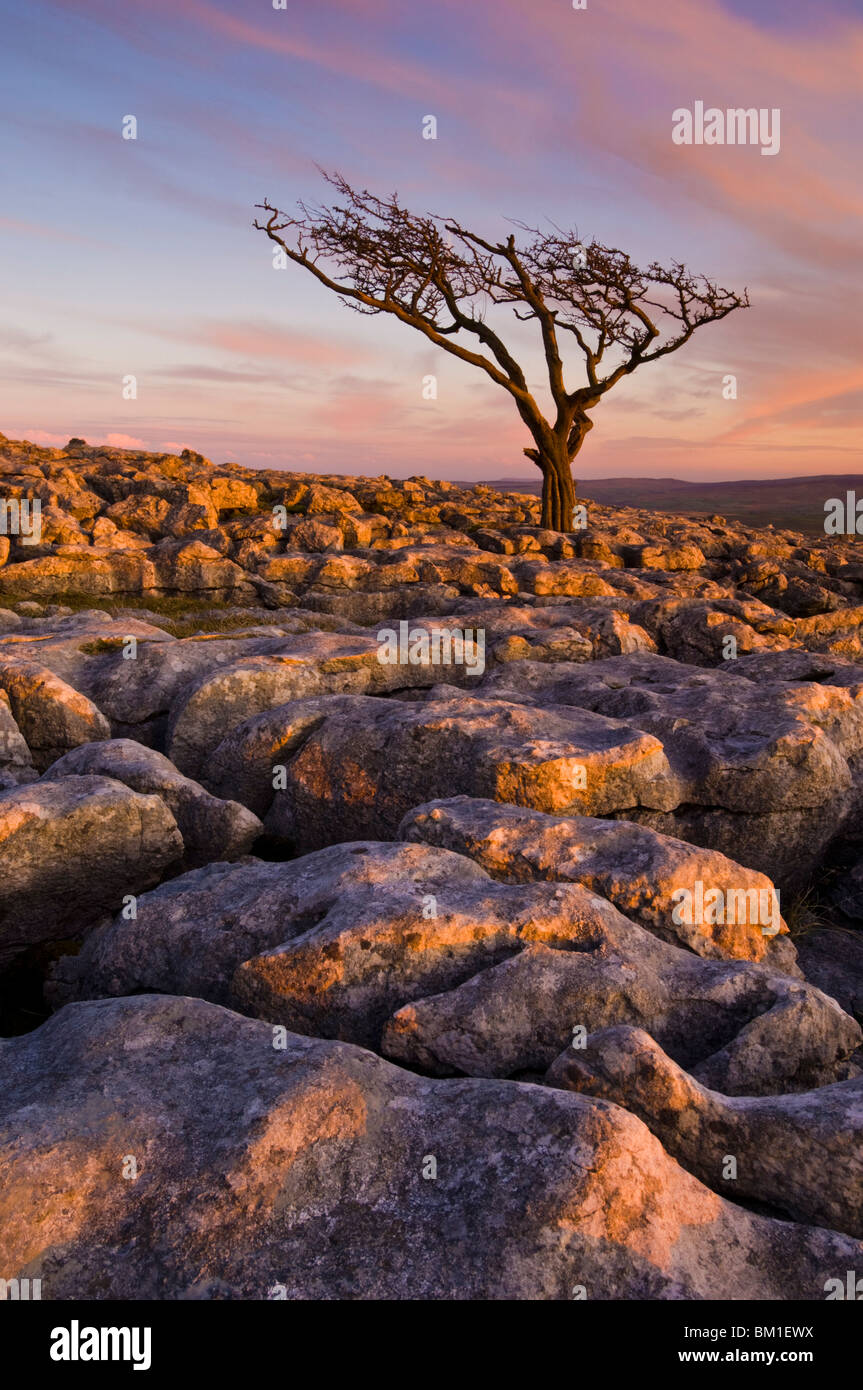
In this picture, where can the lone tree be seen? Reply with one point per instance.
(441, 278)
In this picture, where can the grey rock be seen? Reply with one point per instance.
(51, 716)
(361, 769)
(72, 850)
(211, 828)
(191, 933)
(301, 1166)
(802, 1154)
(737, 1027)
(635, 868)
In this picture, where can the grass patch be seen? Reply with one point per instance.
(808, 913)
(167, 605)
(77, 602)
(102, 644)
(211, 623)
(177, 614)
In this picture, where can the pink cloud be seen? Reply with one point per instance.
(362, 56)
(15, 227)
(122, 441)
(269, 341)
(807, 395)
(44, 437)
(281, 344)
(347, 60)
(801, 199)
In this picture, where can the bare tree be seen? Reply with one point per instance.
(440, 278)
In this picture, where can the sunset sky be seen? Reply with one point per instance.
(138, 257)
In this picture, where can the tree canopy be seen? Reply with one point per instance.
(443, 280)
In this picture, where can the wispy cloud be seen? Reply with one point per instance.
(544, 113)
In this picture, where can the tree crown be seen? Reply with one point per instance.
(440, 278)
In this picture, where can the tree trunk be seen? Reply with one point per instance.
(558, 493)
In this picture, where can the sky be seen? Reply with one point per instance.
(137, 258)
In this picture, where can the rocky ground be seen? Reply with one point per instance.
(323, 975)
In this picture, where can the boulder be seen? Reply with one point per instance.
(764, 772)
(247, 760)
(211, 828)
(314, 536)
(318, 663)
(649, 877)
(361, 769)
(15, 759)
(73, 850)
(191, 934)
(738, 1027)
(782, 1146)
(50, 715)
(312, 1169)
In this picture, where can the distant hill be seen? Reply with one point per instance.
(792, 503)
